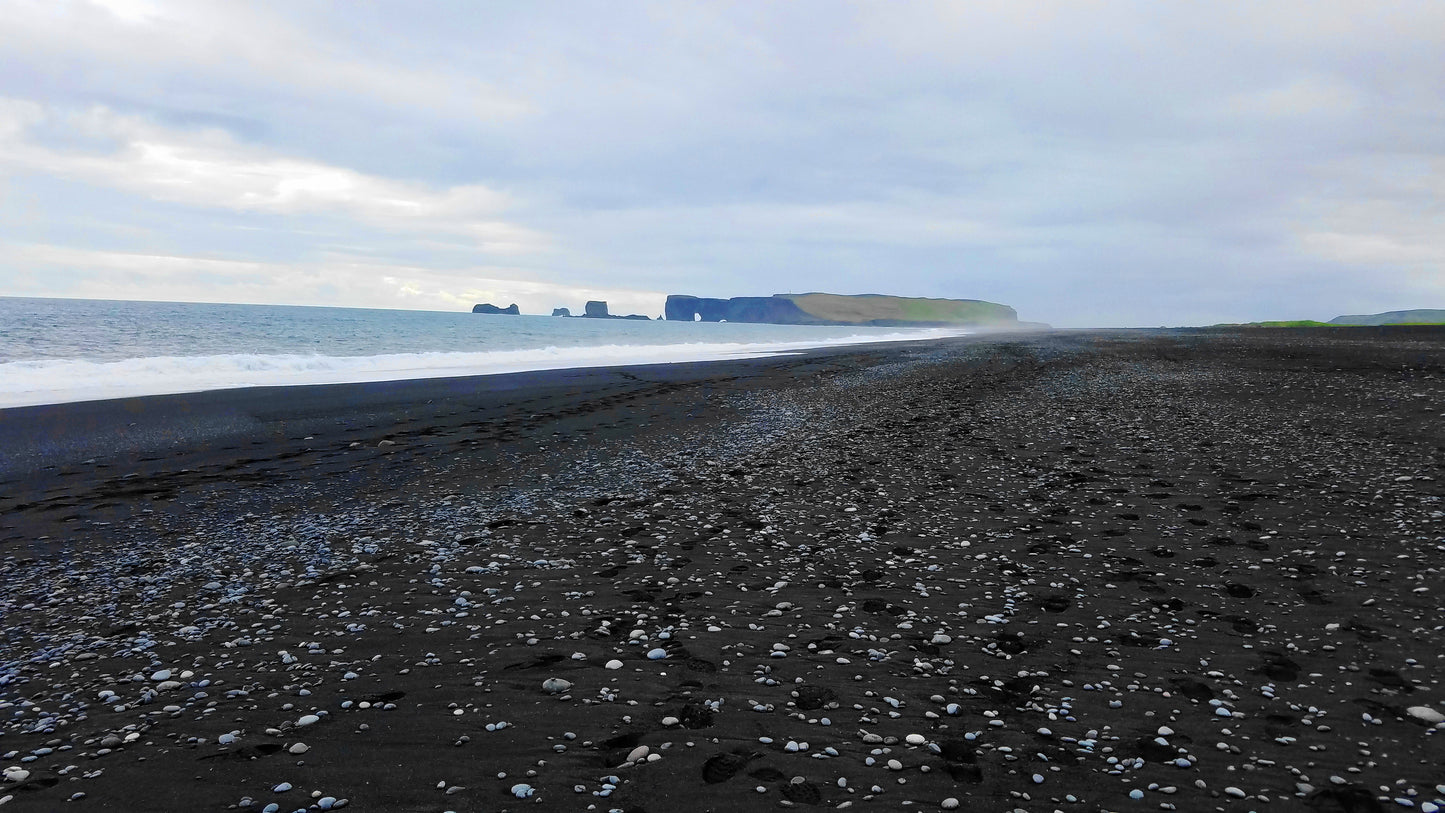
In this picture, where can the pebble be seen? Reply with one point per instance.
(556, 685)
(613, 664)
(1426, 714)
(308, 719)
(656, 654)
(638, 754)
(950, 803)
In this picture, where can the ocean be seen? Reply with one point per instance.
(64, 350)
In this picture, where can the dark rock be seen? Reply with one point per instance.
(1343, 799)
(722, 767)
(487, 307)
(561, 312)
(597, 309)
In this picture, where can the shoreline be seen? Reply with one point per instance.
(1032, 570)
(467, 345)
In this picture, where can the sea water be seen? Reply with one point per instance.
(62, 350)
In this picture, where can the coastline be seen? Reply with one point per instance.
(934, 534)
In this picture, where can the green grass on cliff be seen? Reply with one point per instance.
(873, 307)
(1294, 323)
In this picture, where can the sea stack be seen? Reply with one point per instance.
(596, 309)
(487, 307)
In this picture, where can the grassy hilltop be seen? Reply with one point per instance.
(877, 308)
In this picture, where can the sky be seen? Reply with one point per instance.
(1088, 163)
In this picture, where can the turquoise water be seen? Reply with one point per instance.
(59, 350)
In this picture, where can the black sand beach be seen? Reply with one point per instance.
(1076, 571)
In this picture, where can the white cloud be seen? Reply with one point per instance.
(1314, 96)
(157, 42)
(210, 168)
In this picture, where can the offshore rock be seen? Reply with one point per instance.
(487, 307)
(597, 309)
(561, 312)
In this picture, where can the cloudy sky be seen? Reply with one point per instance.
(1088, 163)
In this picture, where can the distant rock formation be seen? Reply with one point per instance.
(597, 309)
(1421, 316)
(838, 309)
(487, 307)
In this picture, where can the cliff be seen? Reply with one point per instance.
(1422, 316)
(838, 309)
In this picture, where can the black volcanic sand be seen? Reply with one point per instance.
(1131, 570)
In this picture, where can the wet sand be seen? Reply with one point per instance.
(1122, 570)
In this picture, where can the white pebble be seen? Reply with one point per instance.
(1426, 714)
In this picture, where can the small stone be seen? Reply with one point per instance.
(638, 754)
(308, 719)
(656, 654)
(522, 790)
(670, 721)
(298, 749)
(556, 685)
(950, 803)
(613, 664)
(164, 674)
(915, 739)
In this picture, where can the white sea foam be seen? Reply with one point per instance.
(53, 381)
